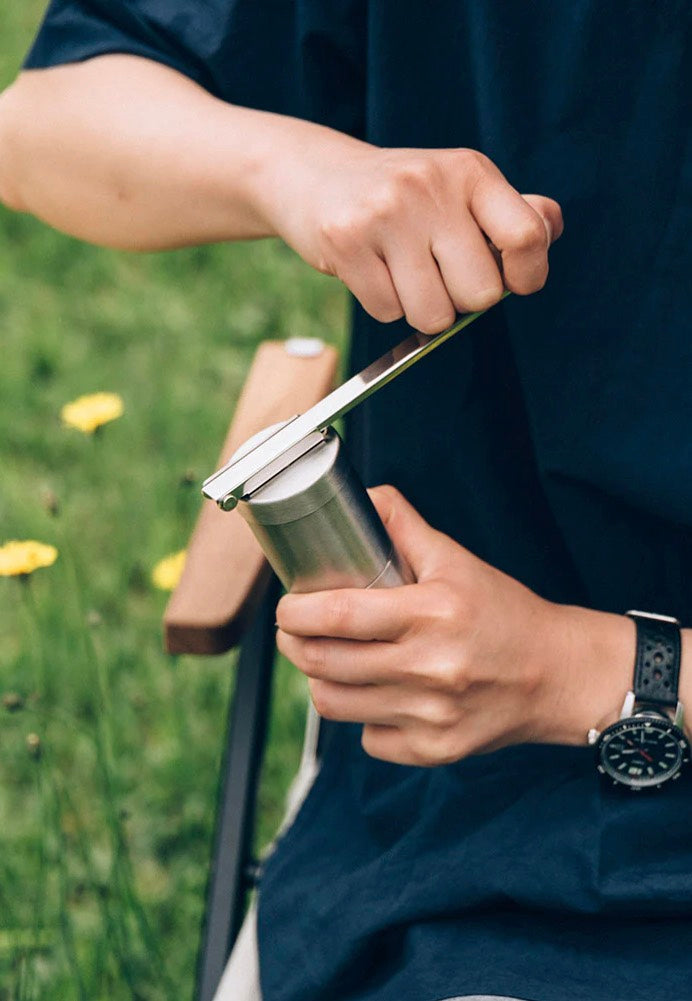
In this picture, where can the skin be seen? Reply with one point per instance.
(124, 152)
(127, 153)
(465, 660)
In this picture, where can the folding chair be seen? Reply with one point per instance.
(227, 597)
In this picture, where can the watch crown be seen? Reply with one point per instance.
(593, 735)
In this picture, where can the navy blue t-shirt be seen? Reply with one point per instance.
(554, 440)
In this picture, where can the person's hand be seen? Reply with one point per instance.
(463, 661)
(407, 230)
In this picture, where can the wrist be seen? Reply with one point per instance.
(294, 163)
(588, 675)
(585, 682)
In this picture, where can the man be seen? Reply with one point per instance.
(459, 839)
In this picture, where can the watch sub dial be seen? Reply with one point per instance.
(642, 753)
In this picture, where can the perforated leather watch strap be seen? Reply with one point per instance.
(657, 665)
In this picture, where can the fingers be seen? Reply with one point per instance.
(521, 229)
(420, 286)
(441, 263)
(469, 270)
(353, 703)
(350, 662)
(368, 278)
(388, 744)
(420, 545)
(408, 231)
(421, 714)
(384, 614)
(410, 746)
(348, 613)
(551, 214)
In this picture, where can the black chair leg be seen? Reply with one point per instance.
(232, 870)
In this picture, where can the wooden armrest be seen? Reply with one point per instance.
(225, 571)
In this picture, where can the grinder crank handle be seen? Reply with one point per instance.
(238, 477)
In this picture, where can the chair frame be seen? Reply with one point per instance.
(227, 594)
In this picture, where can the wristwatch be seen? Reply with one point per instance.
(647, 748)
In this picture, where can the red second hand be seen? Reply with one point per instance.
(640, 749)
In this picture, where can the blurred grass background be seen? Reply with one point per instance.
(106, 809)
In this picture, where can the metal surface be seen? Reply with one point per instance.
(229, 484)
(317, 526)
(627, 711)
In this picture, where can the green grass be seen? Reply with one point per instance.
(105, 825)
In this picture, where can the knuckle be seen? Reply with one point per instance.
(417, 172)
(340, 233)
(419, 753)
(370, 742)
(439, 712)
(539, 280)
(445, 605)
(387, 492)
(451, 673)
(445, 747)
(340, 613)
(319, 693)
(330, 233)
(383, 747)
(431, 748)
(426, 325)
(427, 616)
(472, 167)
(528, 283)
(386, 201)
(482, 299)
(472, 160)
(313, 655)
(450, 752)
(387, 313)
(403, 179)
(528, 235)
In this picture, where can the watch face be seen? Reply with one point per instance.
(642, 751)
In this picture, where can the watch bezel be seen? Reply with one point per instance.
(644, 716)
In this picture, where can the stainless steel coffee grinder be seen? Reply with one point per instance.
(294, 485)
(316, 523)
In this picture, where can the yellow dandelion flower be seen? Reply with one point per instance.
(19, 558)
(168, 571)
(87, 413)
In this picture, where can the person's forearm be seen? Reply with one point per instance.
(125, 152)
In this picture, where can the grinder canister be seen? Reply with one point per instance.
(300, 495)
(316, 524)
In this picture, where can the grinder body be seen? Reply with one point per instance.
(316, 524)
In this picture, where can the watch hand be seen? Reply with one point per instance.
(635, 748)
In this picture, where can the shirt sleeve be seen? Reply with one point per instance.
(303, 58)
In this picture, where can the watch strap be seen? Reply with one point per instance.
(657, 664)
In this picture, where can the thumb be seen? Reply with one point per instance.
(416, 542)
(551, 214)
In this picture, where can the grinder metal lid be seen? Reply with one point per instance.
(304, 486)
